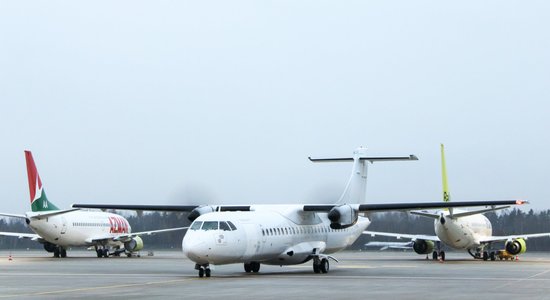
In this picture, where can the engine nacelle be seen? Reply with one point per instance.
(516, 246)
(49, 247)
(423, 246)
(135, 244)
(342, 216)
(197, 212)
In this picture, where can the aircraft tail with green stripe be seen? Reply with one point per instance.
(39, 201)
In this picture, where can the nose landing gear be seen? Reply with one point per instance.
(204, 270)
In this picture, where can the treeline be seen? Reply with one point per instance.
(504, 223)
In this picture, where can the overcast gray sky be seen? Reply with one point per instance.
(166, 102)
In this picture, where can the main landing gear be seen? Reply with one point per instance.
(320, 265)
(204, 270)
(102, 252)
(252, 266)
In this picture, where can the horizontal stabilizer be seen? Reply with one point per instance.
(371, 159)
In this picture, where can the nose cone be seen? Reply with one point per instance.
(195, 249)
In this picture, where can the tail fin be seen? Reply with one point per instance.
(356, 188)
(39, 201)
(446, 194)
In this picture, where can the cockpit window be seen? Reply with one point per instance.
(224, 226)
(231, 225)
(196, 225)
(210, 225)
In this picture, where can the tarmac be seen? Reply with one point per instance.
(363, 275)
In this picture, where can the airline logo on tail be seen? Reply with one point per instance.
(39, 201)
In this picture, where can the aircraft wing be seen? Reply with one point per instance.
(390, 245)
(32, 236)
(403, 235)
(416, 206)
(128, 236)
(505, 238)
(13, 215)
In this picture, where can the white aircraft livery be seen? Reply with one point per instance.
(285, 234)
(57, 230)
(462, 230)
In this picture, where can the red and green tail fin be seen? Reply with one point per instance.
(39, 201)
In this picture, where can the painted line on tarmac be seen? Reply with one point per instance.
(97, 288)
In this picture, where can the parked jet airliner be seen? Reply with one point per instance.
(462, 230)
(285, 234)
(57, 229)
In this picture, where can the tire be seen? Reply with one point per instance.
(255, 266)
(434, 255)
(106, 253)
(207, 272)
(492, 256)
(324, 266)
(485, 255)
(201, 272)
(99, 253)
(442, 255)
(56, 252)
(63, 252)
(316, 268)
(247, 267)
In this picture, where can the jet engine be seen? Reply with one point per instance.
(135, 244)
(197, 212)
(423, 246)
(342, 216)
(516, 246)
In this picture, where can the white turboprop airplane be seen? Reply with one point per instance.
(461, 230)
(59, 229)
(285, 234)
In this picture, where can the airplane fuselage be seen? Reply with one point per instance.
(464, 232)
(269, 234)
(79, 228)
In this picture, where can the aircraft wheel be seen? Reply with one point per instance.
(105, 253)
(201, 272)
(63, 252)
(316, 268)
(129, 254)
(485, 255)
(492, 256)
(247, 267)
(324, 266)
(434, 255)
(255, 266)
(442, 255)
(99, 253)
(207, 272)
(56, 252)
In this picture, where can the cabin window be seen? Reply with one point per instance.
(210, 225)
(225, 227)
(196, 225)
(231, 225)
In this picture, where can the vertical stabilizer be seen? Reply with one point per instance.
(446, 194)
(39, 201)
(356, 188)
